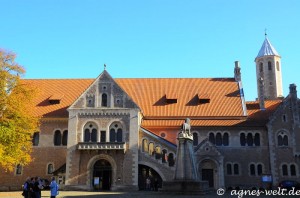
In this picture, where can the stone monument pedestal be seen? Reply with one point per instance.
(186, 179)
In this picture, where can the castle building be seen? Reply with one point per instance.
(111, 134)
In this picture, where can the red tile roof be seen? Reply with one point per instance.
(256, 117)
(151, 93)
(223, 109)
(64, 90)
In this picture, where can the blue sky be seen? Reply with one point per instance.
(150, 38)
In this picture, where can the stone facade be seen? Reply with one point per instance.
(110, 148)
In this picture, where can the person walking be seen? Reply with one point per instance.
(53, 188)
(36, 188)
(26, 188)
(148, 183)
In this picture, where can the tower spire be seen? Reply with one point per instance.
(268, 68)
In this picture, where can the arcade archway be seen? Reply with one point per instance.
(144, 173)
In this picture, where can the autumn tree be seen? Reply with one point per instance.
(17, 122)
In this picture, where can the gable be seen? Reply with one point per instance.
(104, 92)
(207, 148)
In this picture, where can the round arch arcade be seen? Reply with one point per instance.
(144, 173)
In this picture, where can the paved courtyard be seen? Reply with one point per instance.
(135, 194)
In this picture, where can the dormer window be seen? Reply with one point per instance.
(55, 99)
(203, 98)
(171, 98)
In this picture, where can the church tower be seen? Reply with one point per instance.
(268, 73)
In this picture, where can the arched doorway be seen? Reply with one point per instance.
(102, 175)
(144, 173)
(208, 170)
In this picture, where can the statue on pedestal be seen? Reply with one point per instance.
(186, 130)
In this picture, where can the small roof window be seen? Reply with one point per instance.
(203, 98)
(55, 98)
(171, 98)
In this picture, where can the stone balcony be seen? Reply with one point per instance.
(101, 146)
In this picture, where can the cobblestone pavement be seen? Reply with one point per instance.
(135, 194)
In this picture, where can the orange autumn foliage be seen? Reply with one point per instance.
(17, 123)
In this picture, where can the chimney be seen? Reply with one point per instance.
(294, 103)
(237, 71)
(293, 90)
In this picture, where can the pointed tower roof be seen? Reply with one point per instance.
(267, 49)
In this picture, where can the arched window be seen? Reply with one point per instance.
(19, 169)
(277, 66)
(225, 139)
(145, 145)
(116, 132)
(90, 132)
(269, 65)
(94, 135)
(212, 138)
(284, 170)
(65, 138)
(195, 139)
(282, 139)
(36, 139)
(285, 140)
(164, 156)
(261, 67)
(249, 139)
(252, 169)
(229, 169)
(171, 159)
(57, 138)
(87, 135)
(236, 169)
(243, 139)
(112, 135)
(119, 135)
(157, 152)
(151, 148)
(284, 118)
(219, 139)
(259, 169)
(257, 139)
(104, 100)
(293, 170)
(50, 169)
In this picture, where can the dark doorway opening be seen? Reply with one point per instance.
(102, 175)
(208, 175)
(155, 178)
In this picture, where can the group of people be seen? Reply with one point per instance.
(33, 186)
(152, 184)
